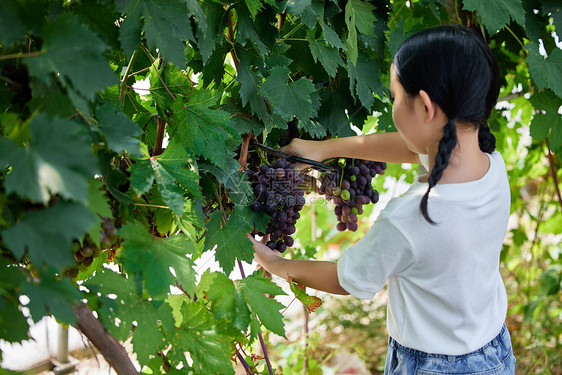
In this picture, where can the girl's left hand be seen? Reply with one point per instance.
(263, 254)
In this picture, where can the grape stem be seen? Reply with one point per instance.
(243, 160)
(260, 336)
(244, 363)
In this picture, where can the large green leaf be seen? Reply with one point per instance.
(496, 14)
(131, 310)
(290, 99)
(231, 239)
(74, 53)
(166, 27)
(364, 80)
(48, 295)
(153, 257)
(209, 350)
(547, 122)
(546, 72)
(328, 56)
(253, 289)
(201, 129)
(58, 160)
(46, 234)
(120, 132)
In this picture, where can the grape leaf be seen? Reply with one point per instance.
(254, 6)
(120, 132)
(47, 295)
(364, 80)
(209, 350)
(247, 32)
(253, 289)
(11, 28)
(176, 161)
(58, 160)
(546, 72)
(290, 99)
(333, 113)
(361, 12)
(328, 56)
(129, 307)
(311, 303)
(331, 37)
(231, 240)
(13, 325)
(40, 234)
(166, 27)
(496, 14)
(547, 123)
(153, 258)
(201, 129)
(74, 52)
(351, 41)
(166, 84)
(227, 300)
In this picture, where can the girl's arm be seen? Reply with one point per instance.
(319, 275)
(387, 147)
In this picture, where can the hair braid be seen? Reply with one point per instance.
(446, 145)
(486, 140)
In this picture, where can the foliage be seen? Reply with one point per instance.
(80, 144)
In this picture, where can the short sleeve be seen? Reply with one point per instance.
(364, 268)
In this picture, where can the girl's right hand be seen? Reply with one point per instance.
(313, 150)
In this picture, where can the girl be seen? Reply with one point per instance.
(438, 245)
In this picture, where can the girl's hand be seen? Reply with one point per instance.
(263, 254)
(313, 150)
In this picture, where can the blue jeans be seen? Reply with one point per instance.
(496, 358)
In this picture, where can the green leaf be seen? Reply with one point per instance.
(546, 72)
(290, 99)
(361, 12)
(166, 27)
(166, 84)
(364, 80)
(51, 296)
(231, 240)
(97, 199)
(201, 129)
(209, 350)
(331, 37)
(253, 289)
(247, 32)
(496, 14)
(254, 6)
(74, 52)
(142, 176)
(328, 56)
(120, 132)
(129, 307)
(227, 300)
(351, 41)
(333, 115)
(547, 123)
(176, 161)
(46, 234)
(11, 28)
(58, 160)
(153, 257)
(171, 193)
(13, 325)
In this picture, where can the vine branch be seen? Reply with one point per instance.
(243, 160)
(113, 352)
(157, 149)
(553, 172)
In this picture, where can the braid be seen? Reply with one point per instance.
(445, 148)
(486, 139)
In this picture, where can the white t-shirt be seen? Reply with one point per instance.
(445, 291)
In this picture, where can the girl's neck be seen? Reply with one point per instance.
(467, 162)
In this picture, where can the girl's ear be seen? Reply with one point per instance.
(432, 110)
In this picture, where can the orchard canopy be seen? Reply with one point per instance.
(126, 127)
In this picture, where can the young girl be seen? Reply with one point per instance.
(438, 245)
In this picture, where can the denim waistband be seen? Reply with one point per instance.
(504, 333)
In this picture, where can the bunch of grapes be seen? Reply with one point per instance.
(350, 189)
(278, 195)
(85, 253)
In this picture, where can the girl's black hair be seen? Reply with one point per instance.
(456, 68)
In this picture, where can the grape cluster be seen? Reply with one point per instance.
(85, 252)
(278, 195)
(350, 189)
